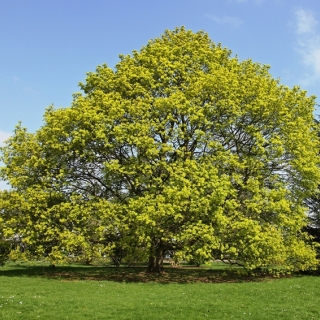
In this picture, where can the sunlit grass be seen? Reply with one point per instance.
(38, 292)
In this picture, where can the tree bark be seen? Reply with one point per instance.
(155, 263)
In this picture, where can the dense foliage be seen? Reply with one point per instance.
(181, 148)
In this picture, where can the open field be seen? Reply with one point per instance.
(79, 292)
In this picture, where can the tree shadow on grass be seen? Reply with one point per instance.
(134, 274)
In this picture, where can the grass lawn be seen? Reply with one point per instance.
(78, 292)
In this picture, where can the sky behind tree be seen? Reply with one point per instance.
(48, 46)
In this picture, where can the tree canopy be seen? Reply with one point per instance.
(182, 148)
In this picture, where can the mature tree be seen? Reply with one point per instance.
(181, 147)
(313, 204)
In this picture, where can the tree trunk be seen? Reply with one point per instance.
(156, 261)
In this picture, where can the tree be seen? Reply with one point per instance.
(181, 147)
(313, 204)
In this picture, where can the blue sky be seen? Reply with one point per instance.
(48, 46)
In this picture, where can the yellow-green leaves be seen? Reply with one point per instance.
(180, 148)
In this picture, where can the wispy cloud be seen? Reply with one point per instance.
(4, 136)
(306, 22)
(232, 22)
(308, 44)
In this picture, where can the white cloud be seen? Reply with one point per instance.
(4, 136)
(308, 45)
(306, 23)
(232, 22)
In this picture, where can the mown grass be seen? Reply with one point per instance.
(79, 292)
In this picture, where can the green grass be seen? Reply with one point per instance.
(78, 292)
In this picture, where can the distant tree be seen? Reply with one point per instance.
(181, 147)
